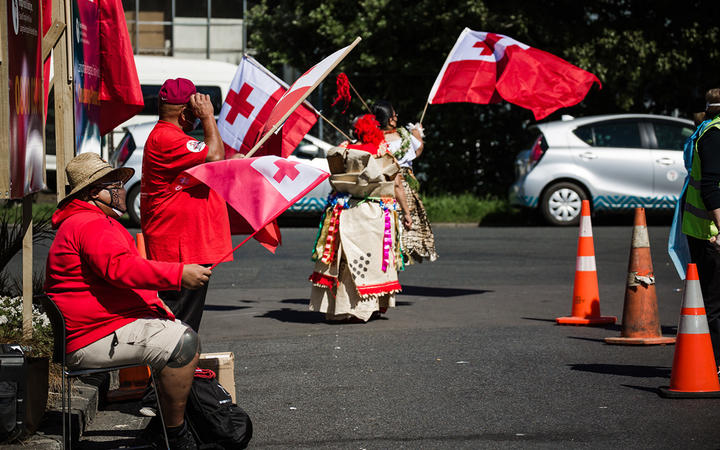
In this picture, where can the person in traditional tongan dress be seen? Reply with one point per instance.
(357, 252)
(406, 145)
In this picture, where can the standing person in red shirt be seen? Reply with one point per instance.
(186, 225)
(107, 292)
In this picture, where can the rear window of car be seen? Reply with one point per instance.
(610, 134)
(150, 97)
(671, 136)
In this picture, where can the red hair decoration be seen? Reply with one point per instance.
(343, 91)
(367, 130)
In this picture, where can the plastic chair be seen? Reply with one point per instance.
(57, 321)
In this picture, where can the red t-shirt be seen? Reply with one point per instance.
(187, 225)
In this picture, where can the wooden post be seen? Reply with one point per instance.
(27, 266)
(64, 100)
(4, 105)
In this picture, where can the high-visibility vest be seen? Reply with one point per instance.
(697, 221)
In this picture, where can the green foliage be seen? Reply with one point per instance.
(464, 208)
(654, 57)
(11, 241)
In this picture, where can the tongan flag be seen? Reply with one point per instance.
(120, 93)
(301, 88)
(484, 67)
(259, 189)
(253, 94)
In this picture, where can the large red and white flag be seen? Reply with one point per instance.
(300, 89)
(259, 189)
(253, 94)
(120, 93)
(485, 67)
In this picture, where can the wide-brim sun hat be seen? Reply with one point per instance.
(87, 168)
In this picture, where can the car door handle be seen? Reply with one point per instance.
(665, 161)
(588, 155)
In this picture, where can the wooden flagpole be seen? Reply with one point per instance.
(334, 126)
(307, 104)
(360, 97)
(422, 116)
(301, 99)
(235, 248)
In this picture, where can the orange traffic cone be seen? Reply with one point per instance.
(133, 382)
(641, 322)
(586, 296)
(140, 244)
(694, 373)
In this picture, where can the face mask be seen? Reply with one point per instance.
(114, 201)
(196, 124)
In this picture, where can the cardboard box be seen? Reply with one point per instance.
(223, 364)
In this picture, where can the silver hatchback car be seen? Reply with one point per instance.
(617, 162)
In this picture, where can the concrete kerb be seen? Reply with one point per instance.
(455, 224)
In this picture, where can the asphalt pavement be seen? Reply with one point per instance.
(470, 358)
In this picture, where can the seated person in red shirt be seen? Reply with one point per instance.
(107, 292)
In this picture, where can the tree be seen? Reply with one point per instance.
(655, 57)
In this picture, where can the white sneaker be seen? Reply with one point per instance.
(148, 411)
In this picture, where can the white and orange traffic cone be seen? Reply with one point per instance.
(586, 296)
(641, 321)
(694, 373)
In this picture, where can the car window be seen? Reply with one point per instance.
(585, 134)
(623, 134)
(671, 136)
(150, 96)
(123, 151)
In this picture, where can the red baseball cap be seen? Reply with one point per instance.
(177, 91)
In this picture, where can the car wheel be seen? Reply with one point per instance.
(562, 202)
(133, 204)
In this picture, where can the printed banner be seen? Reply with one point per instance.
(86, 69)
(25, 96)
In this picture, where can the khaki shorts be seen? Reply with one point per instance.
(143, 341)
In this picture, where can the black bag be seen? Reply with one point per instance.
(212, 416)
(12, 393)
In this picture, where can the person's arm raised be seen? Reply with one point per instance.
(203, 110)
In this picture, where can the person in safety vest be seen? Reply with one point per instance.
(701, 215)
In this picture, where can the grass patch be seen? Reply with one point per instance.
(468, 208)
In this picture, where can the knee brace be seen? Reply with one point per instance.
(185, 350)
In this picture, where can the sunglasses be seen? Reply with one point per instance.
(112, 185)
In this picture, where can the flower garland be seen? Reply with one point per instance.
(404, 145)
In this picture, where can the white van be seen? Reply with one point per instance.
(210, 77)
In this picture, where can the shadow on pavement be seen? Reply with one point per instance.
(643, 388)
(580, 338)
(296, 301)
(624, 370)
(426, 291)
(223, 307)
(539, 319)
(295, 316)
